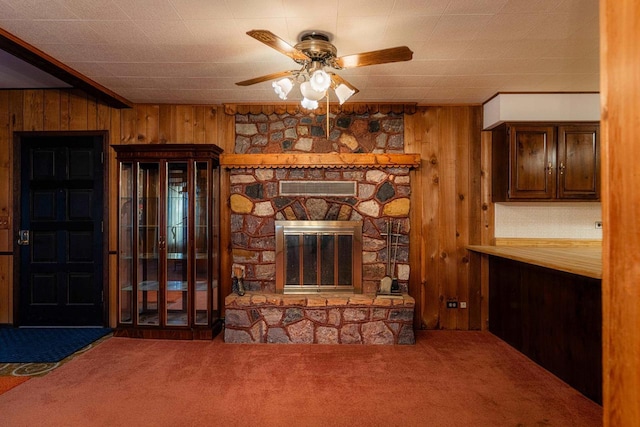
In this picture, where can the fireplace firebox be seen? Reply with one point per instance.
(318, 256)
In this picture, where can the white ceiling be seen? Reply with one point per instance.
(193, 51)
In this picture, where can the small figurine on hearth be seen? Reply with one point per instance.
(237, 280)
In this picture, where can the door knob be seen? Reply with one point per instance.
(23, 237)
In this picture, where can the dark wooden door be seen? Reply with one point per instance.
(532, 163)
(61, 257)
(578, 162)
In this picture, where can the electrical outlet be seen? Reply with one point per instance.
(452, 304)
(463, 304)
(598, 224)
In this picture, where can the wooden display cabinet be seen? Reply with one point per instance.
(168, 241)
(550, 162)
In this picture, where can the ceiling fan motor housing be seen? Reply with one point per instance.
(317, 47)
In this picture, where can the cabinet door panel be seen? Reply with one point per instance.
(532, 162)
(578, 162)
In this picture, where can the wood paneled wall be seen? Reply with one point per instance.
(445, 199)
(445, 215)
(39, 110)
(71, 110)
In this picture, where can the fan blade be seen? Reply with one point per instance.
(337, 81)
(268, 77)
(275, 42)
(384, 56)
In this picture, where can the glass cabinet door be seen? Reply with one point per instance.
(177, 244)
(126, 212)
(201, 238)
(148, 196)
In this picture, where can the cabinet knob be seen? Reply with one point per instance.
(561, 168)
(549, 170)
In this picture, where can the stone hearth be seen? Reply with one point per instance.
(319, 319)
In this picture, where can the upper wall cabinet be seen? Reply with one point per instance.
(548, 162)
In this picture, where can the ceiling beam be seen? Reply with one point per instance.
(34, 56)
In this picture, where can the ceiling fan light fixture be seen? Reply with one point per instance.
(315, 53)
(282, 87)
(343, 92)
(311, 94)
(320, 80)
(309, 104)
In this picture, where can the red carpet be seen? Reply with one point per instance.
(9, 382)
(448, 378)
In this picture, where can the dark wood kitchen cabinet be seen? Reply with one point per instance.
(549, 162)
(168, 241)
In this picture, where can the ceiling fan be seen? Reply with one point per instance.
(315, 53)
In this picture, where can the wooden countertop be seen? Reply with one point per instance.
(584, 261)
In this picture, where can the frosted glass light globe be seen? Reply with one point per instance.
(320, 81)
(311, 94)
(309, 104)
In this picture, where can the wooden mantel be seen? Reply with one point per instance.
(326, 160)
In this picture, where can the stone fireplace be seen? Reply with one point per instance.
(256, 204)
(359, 158)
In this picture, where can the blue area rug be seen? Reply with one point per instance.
(45, 345)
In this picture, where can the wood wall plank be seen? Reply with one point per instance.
(78, 110)
(620, 131)
(430, 265)
(51, 110)
(199, 130)
(65, 114)
(462, 140)
(103, 117)
(412, 143)
(475, 218)
(141, 124)
(128, 126)
(211, 125)
(487, 228)
(184, 124)
(33, 110)
(148, 117)
(166, 123)
(6, 289)
(152, 117)
(92, 113)
(16, 118)
(447, 212)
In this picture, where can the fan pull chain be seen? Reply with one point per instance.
(327, 115)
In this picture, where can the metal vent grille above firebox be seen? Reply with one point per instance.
(318, 188)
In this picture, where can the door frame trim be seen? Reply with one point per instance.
(17, 214)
